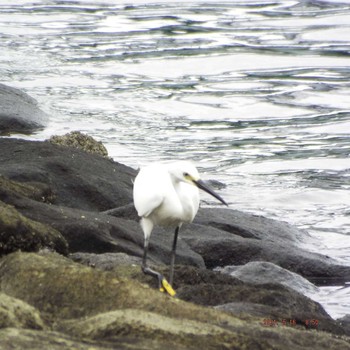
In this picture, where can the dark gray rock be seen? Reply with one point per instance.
(261, 272)
(268, 301)
(345, 323)
(92, 232)
(19, 113)
(248, 225)
(228, 237)
(127, 211)
(77, 179)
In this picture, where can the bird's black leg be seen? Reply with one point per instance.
(163, 285)
(173, 254)
(147, 270)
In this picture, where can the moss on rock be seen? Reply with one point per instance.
(29, 339)
(145, 325)
(56, 285)
(17, 232)
(34, 190)
(17, 313)
(109, 311)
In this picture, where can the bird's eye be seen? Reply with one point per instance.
(186, 174)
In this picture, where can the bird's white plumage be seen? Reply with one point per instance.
(163, 195)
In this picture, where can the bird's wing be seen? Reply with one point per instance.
(147, 202)
(148, 194)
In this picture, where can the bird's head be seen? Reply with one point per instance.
(183, 171)
(187, 172)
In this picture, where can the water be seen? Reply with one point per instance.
(256, 92)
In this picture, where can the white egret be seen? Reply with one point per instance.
(166, 194)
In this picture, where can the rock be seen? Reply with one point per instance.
(248, 310)
(20, 233)
(106, 261)
(88, 231)
(261, 272)
(127, 211)
(36, 190)
(269, 300)
(19, 112)
(104, 310)
(76, 179)
(75, 185)
(156, 331)
(228, 237)
(92, 232)
(64, 289)
(18, 314)
(19, 339)
(48, 190)
(247, 225)
(344, 322)
(81, 141)
(147, 326)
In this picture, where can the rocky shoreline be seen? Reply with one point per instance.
(70, 248)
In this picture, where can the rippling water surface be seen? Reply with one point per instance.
(256, 92)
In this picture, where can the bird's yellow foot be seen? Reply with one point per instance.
(166, 287)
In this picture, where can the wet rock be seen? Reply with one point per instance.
(344, 322)
(261, 272)
(18, 314)
(269, 300)
(228, 237)
(92, 232)
(20, 233)
(76, 139)
(104, 310)
(36, 190)
(127, 211)
(87, 231)
(19, 112)
(246, 225)
(76, 179)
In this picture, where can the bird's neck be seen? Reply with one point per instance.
(184, 191)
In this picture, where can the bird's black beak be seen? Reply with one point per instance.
(200, 184)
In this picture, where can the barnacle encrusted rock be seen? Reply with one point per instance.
(76, 139)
